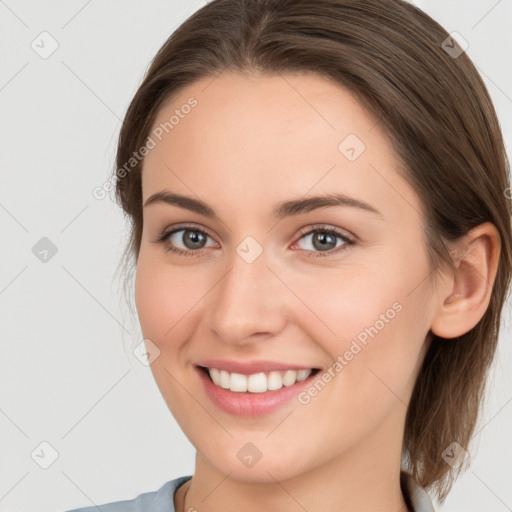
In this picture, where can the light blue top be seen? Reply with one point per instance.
(162, 500)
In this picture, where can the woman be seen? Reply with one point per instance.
(320, 213)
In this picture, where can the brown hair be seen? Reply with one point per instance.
(441, 121)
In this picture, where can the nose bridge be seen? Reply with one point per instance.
(247, 299)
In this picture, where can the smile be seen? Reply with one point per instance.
(257, 382)
(253, 394)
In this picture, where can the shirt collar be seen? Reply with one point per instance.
(416, 497)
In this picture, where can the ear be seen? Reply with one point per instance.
(467, 291)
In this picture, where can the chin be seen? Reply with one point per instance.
(262, 471)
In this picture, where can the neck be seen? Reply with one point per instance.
(364, 477)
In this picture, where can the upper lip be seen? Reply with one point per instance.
(250, 367)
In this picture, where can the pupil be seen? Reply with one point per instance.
(322, 239)
(195, 238)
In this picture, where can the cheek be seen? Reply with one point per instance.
(348, 304)
(149, 299)
(380, 289)
(374, 322)
(163, 297)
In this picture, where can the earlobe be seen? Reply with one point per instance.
(468, 289)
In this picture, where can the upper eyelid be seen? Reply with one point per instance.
(186, 227)
(327, 227)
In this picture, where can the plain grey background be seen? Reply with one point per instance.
(68, 376)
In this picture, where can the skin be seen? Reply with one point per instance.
(250, 142)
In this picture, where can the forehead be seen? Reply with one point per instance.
(275, 111)
(280, 136)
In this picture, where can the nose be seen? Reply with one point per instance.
(249, 303)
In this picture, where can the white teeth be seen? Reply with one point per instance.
(274, 381)
(302, 374)
(224, 379)
(238, 382)
(290, 377)
(257, 382)
(215, 375)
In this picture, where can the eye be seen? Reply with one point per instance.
(192, 238)
(323, 241)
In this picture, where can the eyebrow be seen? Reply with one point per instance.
(279, 211)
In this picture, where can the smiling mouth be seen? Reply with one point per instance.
(260, 382)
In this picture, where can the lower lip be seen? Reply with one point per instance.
(251, 404)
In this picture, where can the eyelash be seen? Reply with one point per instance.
(163, 238)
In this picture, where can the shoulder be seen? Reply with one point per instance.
(161, 500)
(416, 497)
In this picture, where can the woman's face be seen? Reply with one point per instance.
(264, 284)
